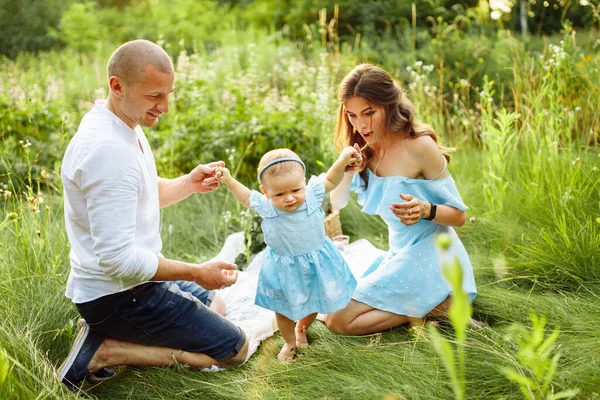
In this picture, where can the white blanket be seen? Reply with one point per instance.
(257, 322)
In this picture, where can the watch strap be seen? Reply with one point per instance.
(432, 211)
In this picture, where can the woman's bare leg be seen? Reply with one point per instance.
(301, 328)
(442, 311)
(286, 327)
(360, 319)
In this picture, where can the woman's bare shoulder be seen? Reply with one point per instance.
(422, 146)
(427, 155)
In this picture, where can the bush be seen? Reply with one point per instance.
(178, 24)
(236, 110)
(80, 28)
(25, 23)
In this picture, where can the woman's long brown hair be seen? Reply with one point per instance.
(377, 87)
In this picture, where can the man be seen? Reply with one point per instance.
(139, 307)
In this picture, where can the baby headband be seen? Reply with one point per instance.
(276, 161)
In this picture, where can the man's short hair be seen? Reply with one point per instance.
(130, 59)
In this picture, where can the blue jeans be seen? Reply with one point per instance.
(166, 314)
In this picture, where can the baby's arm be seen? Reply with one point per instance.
(341, 194)
(239, 191)
(348, 157)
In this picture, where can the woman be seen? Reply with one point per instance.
(404, 179)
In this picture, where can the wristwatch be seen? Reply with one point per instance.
(432, 212)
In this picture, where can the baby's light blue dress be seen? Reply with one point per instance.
(302, 271)
(408, 279)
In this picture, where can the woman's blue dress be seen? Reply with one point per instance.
(302, 272)
(408, 280)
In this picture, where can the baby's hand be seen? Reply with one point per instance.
(222, 174)
(350, 156)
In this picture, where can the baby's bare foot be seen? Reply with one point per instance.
(301, 339)
(287, 353)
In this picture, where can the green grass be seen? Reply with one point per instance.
(38, 321)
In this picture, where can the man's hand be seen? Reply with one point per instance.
(202, 180)
(215, 275)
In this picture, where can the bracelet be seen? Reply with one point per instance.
(432, 212)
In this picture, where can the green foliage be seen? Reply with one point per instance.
(193, 25)
(37, 327)
(3, 366)
(36, 111)
(80, 28)
(462, 51)
(25, 23)
(32, 279)
(498, 137)
(241, 91)
(261, 101)
(537, 364)
(566, 182)
(554, 98)
(254, 239)
(21, 130)
(460, 312)
(177, 24)
(354, 15)
(8, 219)
(550, 18)
(446, 352)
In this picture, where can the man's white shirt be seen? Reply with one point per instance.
(112, 211)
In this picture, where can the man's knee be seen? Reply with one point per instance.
(239, 358)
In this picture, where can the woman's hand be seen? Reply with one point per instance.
(411, 211)
(350, 156)
(356, 159)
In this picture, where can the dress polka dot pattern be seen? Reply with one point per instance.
(408, 279)
(302, 271)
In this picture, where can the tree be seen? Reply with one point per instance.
(24, 24)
